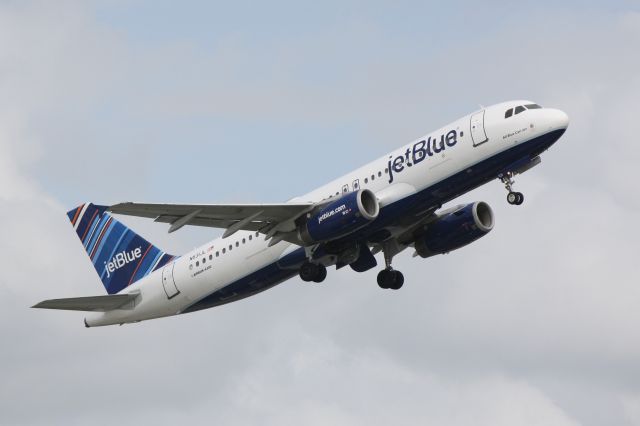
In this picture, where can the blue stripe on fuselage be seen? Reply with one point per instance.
(431, 197)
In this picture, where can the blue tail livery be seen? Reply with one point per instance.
(119, 255)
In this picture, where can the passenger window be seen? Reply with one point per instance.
(386, 170)
(224, 250)
(197, 264)
(509, 113)
(533, 106)
(519, 109)
(250, 237)
(204, 260)
(230, 247)
(237, 243)
(217, 254)
(244, 241)
(210, 257)
(379, 174)
(373, 177)
(366, 180)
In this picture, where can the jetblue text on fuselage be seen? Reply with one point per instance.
(420, 151)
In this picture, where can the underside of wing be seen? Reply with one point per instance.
(269, 219)
(91, 303)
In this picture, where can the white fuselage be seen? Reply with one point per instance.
(222, 262)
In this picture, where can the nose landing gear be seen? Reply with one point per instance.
(513, 198)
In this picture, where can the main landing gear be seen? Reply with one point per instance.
(388, 277)
(313, 272)
(513, 198)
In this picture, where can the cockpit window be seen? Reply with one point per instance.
(519, 109)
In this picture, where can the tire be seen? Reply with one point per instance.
(308, 271)
(398, 280)
(520, 198)
(384, 278)
(321, 274)
(512, 198)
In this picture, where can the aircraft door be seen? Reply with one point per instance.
(478, 135)
(168, 282)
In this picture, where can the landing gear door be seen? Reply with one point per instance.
(478, 134)
(168, 282)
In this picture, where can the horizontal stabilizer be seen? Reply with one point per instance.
(91, 303)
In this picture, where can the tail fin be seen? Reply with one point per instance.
(119, 255)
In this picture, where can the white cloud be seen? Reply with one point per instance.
(631, 404)
(338, 386)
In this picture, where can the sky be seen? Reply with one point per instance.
(204, 102)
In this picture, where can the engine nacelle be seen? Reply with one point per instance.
(341, 217)
(455, 229)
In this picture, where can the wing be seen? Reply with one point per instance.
(269, 219)
(91, 303)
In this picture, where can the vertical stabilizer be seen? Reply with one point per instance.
(120, 256)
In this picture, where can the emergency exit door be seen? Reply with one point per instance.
(168, 282)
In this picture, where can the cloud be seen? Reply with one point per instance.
(338, 386)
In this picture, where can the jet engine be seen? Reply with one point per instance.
(455, 229)
(340, 217)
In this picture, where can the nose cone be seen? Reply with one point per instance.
(557, 119)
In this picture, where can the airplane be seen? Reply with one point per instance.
(389, 205)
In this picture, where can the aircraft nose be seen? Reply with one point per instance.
(558, 119)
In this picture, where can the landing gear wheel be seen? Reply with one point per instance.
(398, 280)
(388, 278)
(312, 272)
(515, 198)
(321, 274)
(520, 199)
(385, 277)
